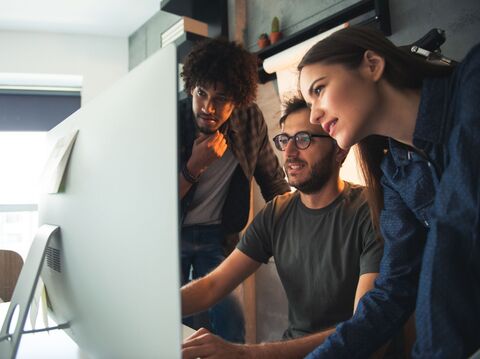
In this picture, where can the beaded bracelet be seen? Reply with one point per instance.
(188, 176)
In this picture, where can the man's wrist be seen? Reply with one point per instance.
(246, 351)
(189, 176)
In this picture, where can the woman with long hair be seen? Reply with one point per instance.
(417, 125)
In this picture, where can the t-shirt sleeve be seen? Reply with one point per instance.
(256, 242)
(372, 246)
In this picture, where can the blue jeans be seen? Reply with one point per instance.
(202, 251)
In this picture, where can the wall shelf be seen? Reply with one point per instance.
(380, 17)
(212, 12)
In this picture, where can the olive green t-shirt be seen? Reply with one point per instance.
(319, 255)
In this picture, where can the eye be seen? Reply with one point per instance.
(303, 139)
(283, 140)
(303, 136)
(318, 90)
(200, 92)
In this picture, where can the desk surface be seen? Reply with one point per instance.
(54, 344)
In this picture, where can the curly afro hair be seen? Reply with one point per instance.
(219, 61)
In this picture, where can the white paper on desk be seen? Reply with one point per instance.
(43, 302)
(57, 162)
(35, 302)
(39, 301)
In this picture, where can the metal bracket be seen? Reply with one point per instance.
(24, 292)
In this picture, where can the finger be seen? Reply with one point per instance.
(221, 150)
(196, 338)
(216, 140)
(220, 135)
(197, 352)
(195, 342)
(221, 144)
(197, 333)
(202, 137)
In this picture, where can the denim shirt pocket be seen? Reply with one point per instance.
(416, 185)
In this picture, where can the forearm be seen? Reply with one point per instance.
(197, 296)
(295, 348)
(183, 186)
(184, 183)
(201, 294)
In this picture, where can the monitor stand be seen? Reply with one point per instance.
(24, 292)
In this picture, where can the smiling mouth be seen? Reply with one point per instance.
(329, 126)
(294, 166)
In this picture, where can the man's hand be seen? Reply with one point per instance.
(203, 344)
(206, 149)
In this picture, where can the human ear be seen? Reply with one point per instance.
(374, 64)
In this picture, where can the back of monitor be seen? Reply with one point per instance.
(112, 272)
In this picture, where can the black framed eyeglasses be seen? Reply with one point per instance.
(302, 140)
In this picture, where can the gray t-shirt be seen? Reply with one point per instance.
(209, 198)
(319, 255)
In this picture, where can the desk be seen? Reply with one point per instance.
(55, 344)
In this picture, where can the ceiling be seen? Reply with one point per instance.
(94, 17)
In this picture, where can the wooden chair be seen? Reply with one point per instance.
(10, 266)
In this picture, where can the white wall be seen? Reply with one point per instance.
(101, 60)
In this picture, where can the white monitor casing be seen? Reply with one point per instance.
(117, 280)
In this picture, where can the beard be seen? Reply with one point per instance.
(203, 129)
(320, 173)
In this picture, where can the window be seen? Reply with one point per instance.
(22, 155)
(28, 112)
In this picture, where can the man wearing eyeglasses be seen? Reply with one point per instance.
(322, 240)
(223, 145)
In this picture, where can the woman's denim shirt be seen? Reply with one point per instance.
(430, 224)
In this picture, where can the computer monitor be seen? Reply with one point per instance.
(112, 273)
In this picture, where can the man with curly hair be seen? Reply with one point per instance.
(223, 145)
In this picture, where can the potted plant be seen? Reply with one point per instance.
(263, 40)
(276, 34)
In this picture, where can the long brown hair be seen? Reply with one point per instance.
(403, 70)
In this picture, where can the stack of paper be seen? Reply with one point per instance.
(185, 24)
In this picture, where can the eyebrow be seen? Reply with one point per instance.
(310, 89)
(217, 94)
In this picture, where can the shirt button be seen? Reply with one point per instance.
(426, 223)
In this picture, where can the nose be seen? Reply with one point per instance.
(291, 148)
(316, 115)
(209, 106)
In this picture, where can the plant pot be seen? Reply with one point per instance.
(263, 42)
(275, 36)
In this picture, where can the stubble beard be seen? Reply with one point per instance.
(320, 173)
(203, 129)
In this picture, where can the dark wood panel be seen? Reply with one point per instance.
(10, 266)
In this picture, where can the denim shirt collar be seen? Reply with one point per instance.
(400, 153)
(430, 124)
